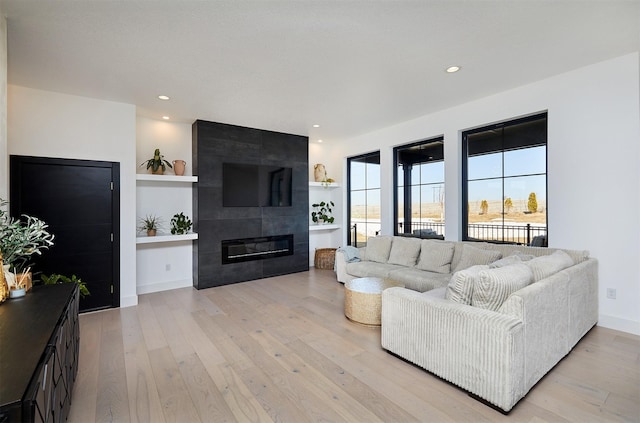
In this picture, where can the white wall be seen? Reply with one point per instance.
(163, 266)
(4, 168)
(48, 124)
(593, 177)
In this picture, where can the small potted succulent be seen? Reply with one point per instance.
(157, 163)
(149, 223)
(180, 224)
(322, 212)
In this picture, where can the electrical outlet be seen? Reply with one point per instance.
(167, 267)
(611, 293)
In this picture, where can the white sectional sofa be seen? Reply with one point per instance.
(492, 319)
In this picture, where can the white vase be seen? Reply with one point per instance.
(8, 276)
(319, 172)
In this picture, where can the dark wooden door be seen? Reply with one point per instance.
(79, 200)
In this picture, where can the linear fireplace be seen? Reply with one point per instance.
(248, 249)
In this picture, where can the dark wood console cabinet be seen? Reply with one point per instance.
(39, 346)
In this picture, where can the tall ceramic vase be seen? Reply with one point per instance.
(319, 172)
(178, 167)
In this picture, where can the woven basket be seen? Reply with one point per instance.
(324, 258)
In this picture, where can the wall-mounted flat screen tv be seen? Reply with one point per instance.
(249, 185)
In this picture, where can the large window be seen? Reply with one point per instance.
(505, 182)
(363, 201)
(419, 188)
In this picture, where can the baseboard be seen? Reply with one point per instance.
(129, 301)
(617, 323)
(164, 286)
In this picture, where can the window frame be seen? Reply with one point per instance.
(351, 241)
(437, 139)
(464, 173)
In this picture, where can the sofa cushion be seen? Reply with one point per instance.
(461, 285)
(378, 248)
(493, 286)
(404, 251)
(363, 269)
(419, 280)
(472, 256)
(545, 266)
(435, 256)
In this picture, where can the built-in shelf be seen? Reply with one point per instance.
(324, 184)
(323, 227)
(165, 238)
(165, 178)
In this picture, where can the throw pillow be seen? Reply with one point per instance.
(378, 248)
(472, 256)
(460, 288)
(545, 266)
(505, 261)
(404, 251)
(435, 256)
(493, 286)
(523, 256)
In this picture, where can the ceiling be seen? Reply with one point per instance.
(349, 66)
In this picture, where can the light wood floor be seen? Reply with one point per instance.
(281, 350)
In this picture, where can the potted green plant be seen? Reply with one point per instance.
(149, 223)
(180, 224)
(322, 212)
(56, 278)
(157, 163)
(20, 239)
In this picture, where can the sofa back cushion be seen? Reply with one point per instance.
(545, 266)
(493, 286)
(435, 256)
(460, 288)
(472, 256)
(378, 248)
(404, 251)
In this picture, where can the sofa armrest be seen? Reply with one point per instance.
(557, 311)
(479, 350)
(341, 267)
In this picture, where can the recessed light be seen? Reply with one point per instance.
(453, 69)
(163, 97)
(316, 126)
(319, 140)
(165, 117)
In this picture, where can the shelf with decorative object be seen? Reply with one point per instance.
(325, 185)
(165, 178)
(165, 238)
(325, 235)
(324, 227)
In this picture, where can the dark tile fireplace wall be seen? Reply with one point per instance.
(218, 143)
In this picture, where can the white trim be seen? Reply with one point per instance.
(164, 286)
(617, 323)
(128, 301)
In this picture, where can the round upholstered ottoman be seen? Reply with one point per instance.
(363, 299)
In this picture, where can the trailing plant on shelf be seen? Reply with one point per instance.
(180, 224)
(157, 162)
(150, 223)
(21, 239)
(56, 278)
(322, 212)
